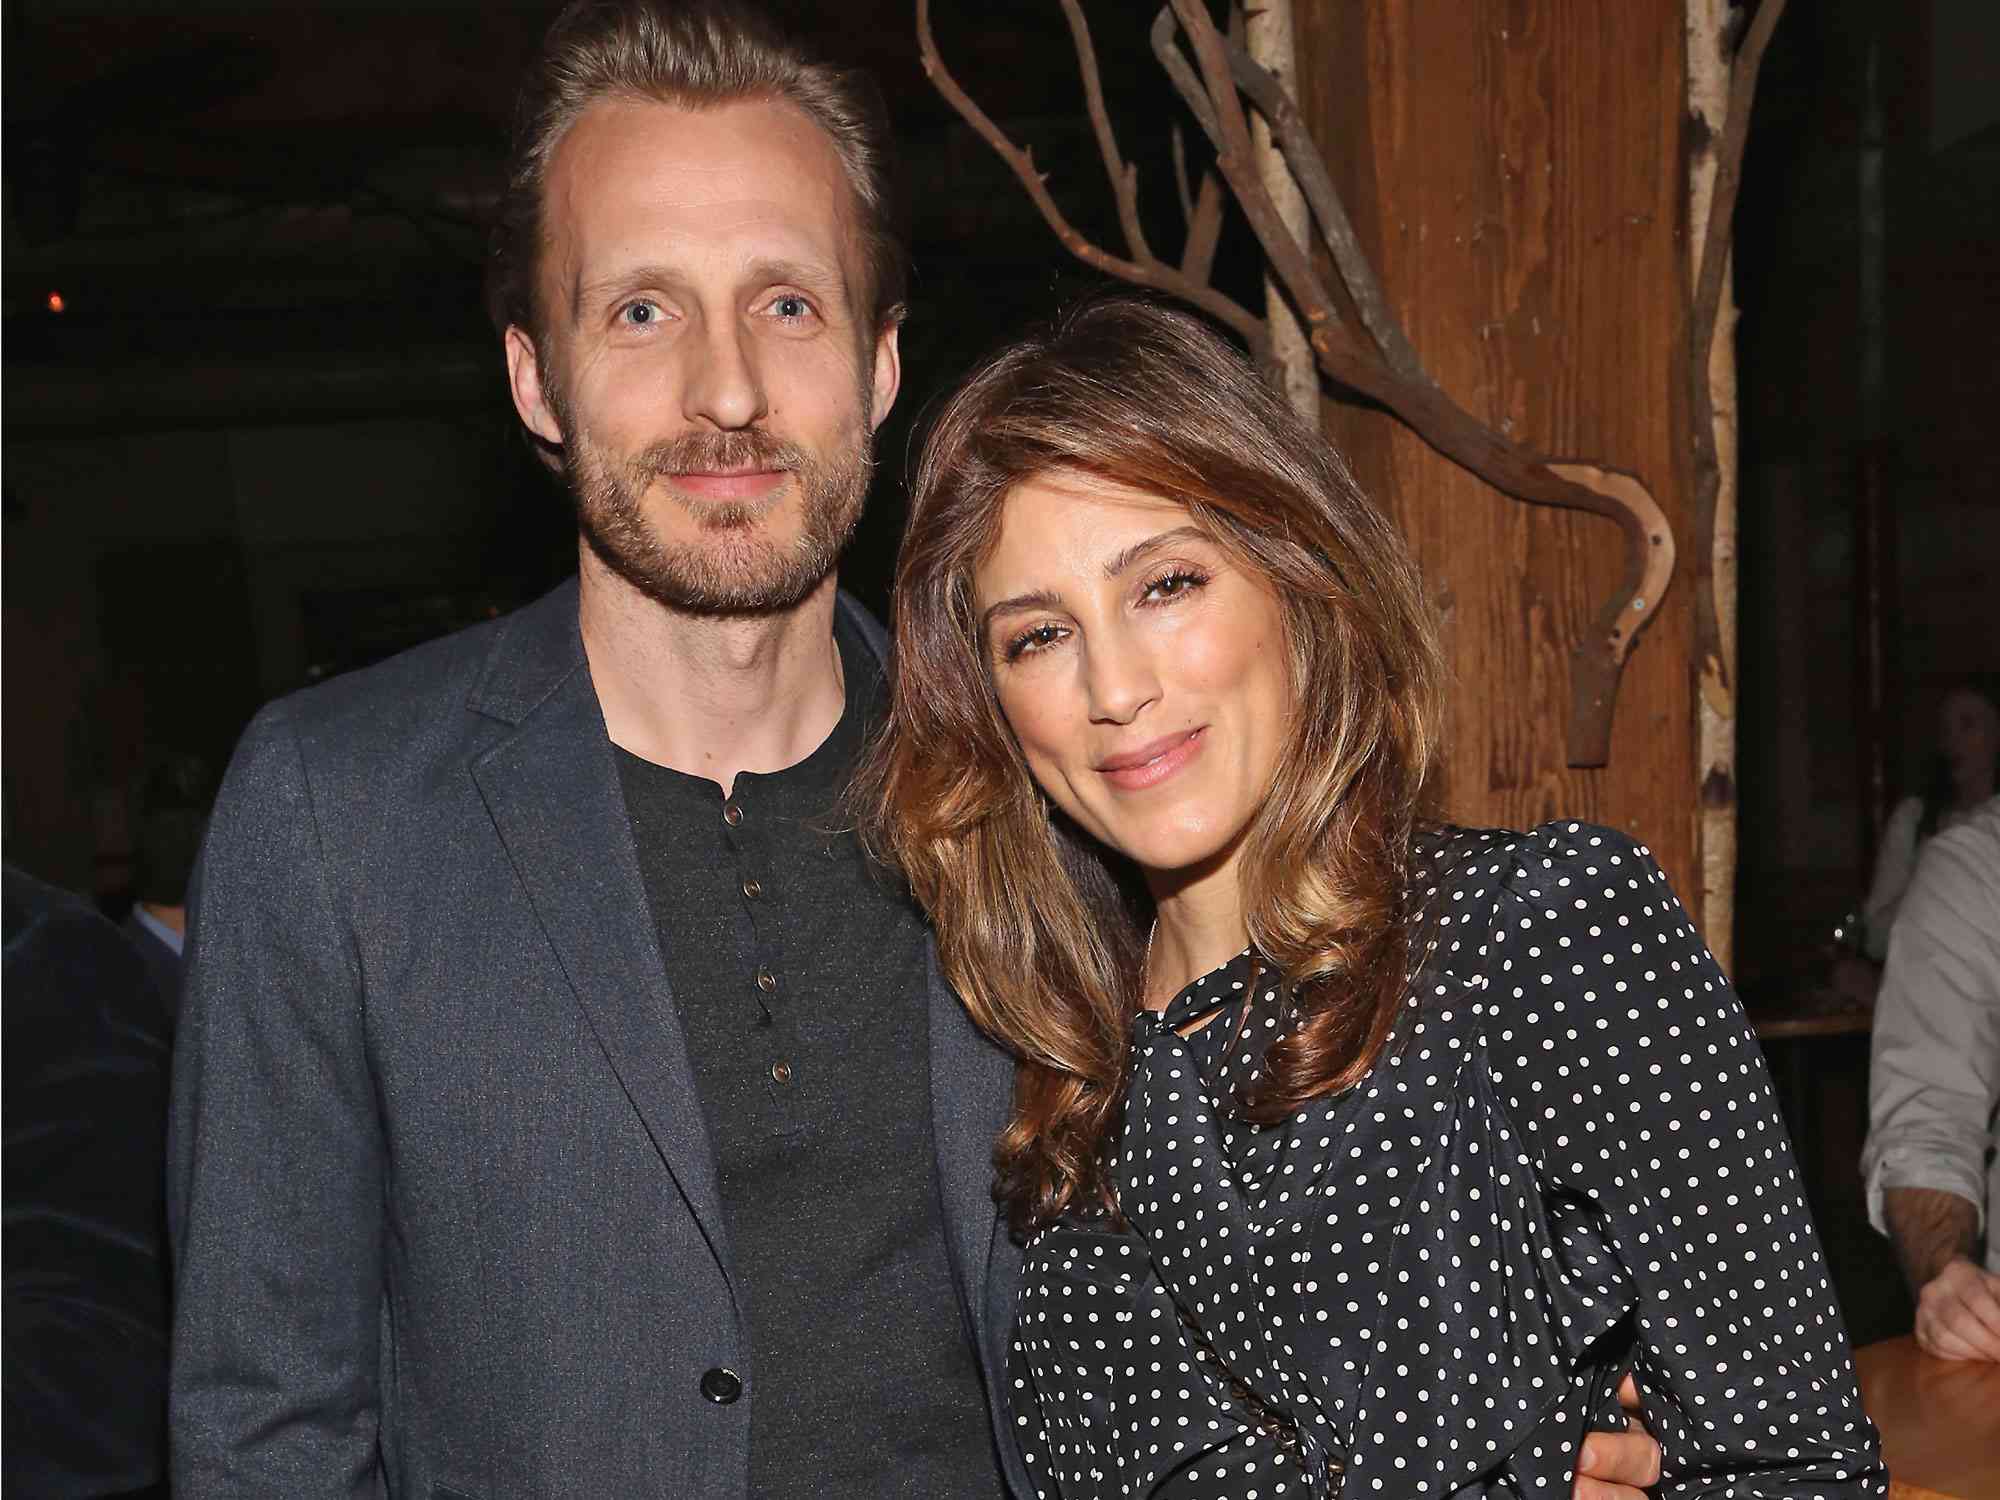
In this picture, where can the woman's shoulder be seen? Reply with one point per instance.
(1460, 873)
(1586, 964)
(1568, 913)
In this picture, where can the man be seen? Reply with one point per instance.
(480, 1187)
(1934, 1083)
(561, 1108)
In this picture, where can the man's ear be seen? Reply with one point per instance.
(524, 379)
(888, 375)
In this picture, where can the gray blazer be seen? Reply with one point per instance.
(443, 1203)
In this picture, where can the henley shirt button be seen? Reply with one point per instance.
(766, 981)
(732, 815)
(753, 887)
(781, 1071)
(721, 1386)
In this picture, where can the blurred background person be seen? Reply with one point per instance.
(1933, 1085)
(85, 1112)
(172, 814)
(1962, 772)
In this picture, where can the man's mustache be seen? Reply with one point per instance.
(712, 452)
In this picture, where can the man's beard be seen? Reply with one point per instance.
(733, 568)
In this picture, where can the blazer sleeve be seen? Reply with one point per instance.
(1639, 1087)
(275, 1159)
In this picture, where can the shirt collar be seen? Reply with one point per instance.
(174, 940)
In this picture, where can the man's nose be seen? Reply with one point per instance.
(725, 387)
(1120, 677)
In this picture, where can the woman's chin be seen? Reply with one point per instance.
(1175, 861)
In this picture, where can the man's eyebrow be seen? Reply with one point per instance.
(813, 275)
(821, 280)
(619, 283)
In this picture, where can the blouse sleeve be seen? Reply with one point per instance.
(1629, 1068)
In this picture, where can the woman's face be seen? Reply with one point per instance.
(1969, 736)
(1144, 675)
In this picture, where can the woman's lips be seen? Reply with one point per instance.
(1151, 764)
(734, 484)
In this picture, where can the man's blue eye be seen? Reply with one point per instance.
(793, 307)
(639, 312)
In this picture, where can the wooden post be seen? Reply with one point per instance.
(1517, 170)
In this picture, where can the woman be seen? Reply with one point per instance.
(1349, 1151)
(1964, 772)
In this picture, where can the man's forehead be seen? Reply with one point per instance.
(755, 180)
(752, 150)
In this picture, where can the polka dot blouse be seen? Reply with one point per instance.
(1567, 1163)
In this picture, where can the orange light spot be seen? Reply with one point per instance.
(56, 303)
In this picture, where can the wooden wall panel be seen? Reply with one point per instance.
(1516, 169)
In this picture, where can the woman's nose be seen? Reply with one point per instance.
(1120, 678)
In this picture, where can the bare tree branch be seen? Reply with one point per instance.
(1179, 139)
(1715, 241)
(1204, 230)
(1715, 254)
(1203, 215)
(1147, 272)
(1183, 78)
(1124, 176)
(1308, 166)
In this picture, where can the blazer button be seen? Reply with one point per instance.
(721, 1386)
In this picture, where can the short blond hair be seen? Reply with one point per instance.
(695, 54)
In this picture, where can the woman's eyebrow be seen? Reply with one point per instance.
(1037, 599)
(1146, 548)
(1120, 563)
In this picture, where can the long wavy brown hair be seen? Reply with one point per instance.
(1041, 929)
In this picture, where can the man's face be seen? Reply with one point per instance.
(708, 367)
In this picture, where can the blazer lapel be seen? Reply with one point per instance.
(552, 790)
(971, 1095)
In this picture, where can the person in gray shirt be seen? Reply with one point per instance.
(1934, 1084)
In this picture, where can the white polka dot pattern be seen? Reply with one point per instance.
(1568, 1162)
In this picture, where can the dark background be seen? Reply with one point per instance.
(266, 437)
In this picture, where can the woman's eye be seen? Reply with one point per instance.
(1171, 585)
(1039, 638)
